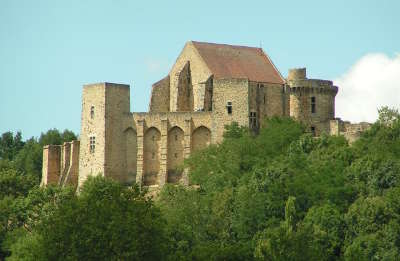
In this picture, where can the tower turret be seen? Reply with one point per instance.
(311, 101)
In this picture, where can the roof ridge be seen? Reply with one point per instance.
(223, 44)
(225, 60)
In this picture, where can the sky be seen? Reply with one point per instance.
(49, 49)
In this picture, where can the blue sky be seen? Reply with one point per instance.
(49, 49)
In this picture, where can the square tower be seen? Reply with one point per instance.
(104, 107)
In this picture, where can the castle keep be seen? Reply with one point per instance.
(209, 86)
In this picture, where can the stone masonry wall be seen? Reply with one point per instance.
(92, 163)
(176, 137)
(117, 108)
(110, 104)
(235, 91)
(302, 91)
(351, 131)
(175, 155)
(185, 89)
(51, 165)
(71, 175)
(266, 99)
(199, 74)
(130, 156)
(159, 101)
(60, 164)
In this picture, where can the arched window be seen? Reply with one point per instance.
(175, 154)
(151, 156)
(201, 138)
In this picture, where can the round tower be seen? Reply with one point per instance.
(311, 101)
(297, 74)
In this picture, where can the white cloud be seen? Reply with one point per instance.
(372, 82)
(154, 65)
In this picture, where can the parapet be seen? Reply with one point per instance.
(299, 83)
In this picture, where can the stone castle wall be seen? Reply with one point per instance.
(235, 91)
(199, 74)
(351, 131)
(159, 100)
(60, 164)
(188, 111)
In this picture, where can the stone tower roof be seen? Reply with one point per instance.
(233, 61)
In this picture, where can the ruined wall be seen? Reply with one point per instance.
(60, 164)
(159, 100)
(199, 74)
(71, 175)
(185, 89)
(208, 95)
(235, 91)
(351, 131)
(51, 169)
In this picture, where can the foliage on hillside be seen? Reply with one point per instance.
(20, 172)
(283, 195)
(280, 195)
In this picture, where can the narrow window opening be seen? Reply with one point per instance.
(253, 120)
(264, 98)
(153, 155)
(229, 107)
(313, 105)
(92, 144)
(176, 155)
(92, 112)
(153, 138)
(313, 132)
(176, 137)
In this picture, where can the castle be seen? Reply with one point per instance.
(209, 86)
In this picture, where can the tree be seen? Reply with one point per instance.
(106, 221)
(10, 145)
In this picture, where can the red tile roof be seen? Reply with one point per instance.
(232, 61)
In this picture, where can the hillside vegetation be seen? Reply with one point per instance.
(280, 195)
